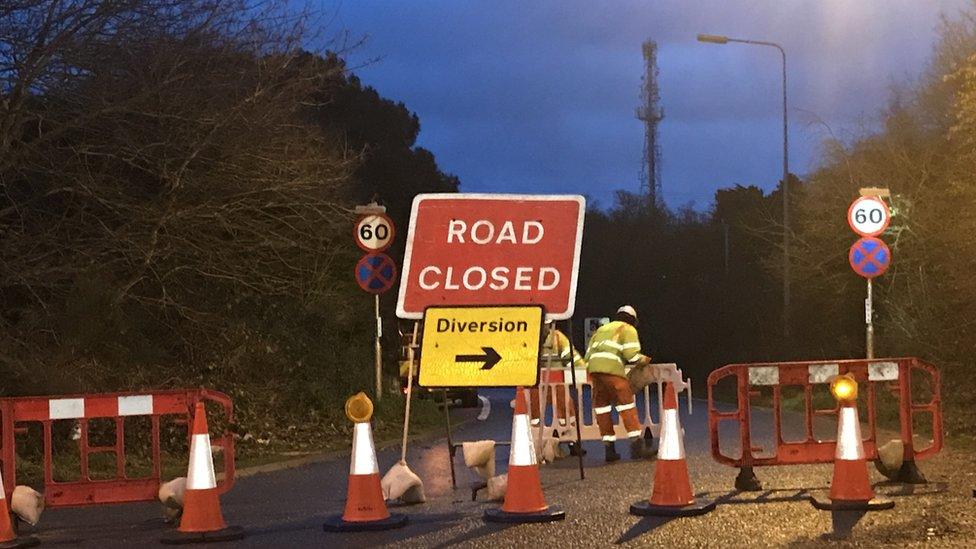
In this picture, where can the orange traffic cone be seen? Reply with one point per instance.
(202, 520)
(524, 501)
(365, 508)
(8, 538)
(851, 486)
(672, 495)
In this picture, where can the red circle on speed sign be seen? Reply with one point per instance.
(373, 232)
(868, 216)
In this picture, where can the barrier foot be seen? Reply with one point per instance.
(24, 541)
(645, 508)
(550, 514)
(183, 538)
(824, 503)
(746, 481)
(335, 523)
(909, 473)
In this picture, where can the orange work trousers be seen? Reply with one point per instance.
(564, 408)
(609, 392)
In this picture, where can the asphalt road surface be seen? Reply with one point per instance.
(286, 508)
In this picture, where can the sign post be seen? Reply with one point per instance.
(376, 271)
(869, 216)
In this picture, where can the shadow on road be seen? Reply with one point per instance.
(483, 530)
(766, 496)
(843, 523)
(643, 526)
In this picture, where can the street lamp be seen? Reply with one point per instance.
(719, 39)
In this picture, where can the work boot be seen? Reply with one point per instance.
(638, 450)
(576, 449)
(610, 452)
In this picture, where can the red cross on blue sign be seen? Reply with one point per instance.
(376, 273)
(869, 257)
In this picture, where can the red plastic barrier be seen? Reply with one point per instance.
(17, 413)
(896, 373)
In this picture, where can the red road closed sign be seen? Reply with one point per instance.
(492, 249)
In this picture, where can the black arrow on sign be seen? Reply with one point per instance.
(490, 358)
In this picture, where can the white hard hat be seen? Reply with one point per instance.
(629, 310)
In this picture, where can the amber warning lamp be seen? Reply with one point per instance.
(844, 388)
(359, 408)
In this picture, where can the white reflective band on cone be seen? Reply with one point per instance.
(849, 446)
(523, 449)
(634, 434)
(363, 453)
(610, 438)
(2, 494)
(626, 407)
(201, 474)
(602, 410)
(535, 421)
(671, 446)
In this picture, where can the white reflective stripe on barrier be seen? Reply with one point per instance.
(849, 445)
(363, 453)
(763, 375)
(523, 448)
(138, 405)
(201, 471)
(883, 371)
(66, 408)
(822, 373)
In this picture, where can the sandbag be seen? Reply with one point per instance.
(496, 487)
(27, 503)
(403, 484)
(480, 457)
(891, 455)
(171, 496)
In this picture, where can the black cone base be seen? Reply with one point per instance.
(824, 503)
(645, 508)
(23, 541)
(335, 523)
(550, 514)
(183, 538)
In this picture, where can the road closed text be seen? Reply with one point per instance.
(477, 250)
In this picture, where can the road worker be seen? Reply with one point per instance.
(557, 352)
(611, 347)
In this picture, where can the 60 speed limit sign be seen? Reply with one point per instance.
(868, 216)
(374, 232)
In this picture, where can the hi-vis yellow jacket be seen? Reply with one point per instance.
(611, 346)
(559, 348)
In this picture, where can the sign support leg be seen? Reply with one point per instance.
(868, 314)
(450, 441)
(577, 395)
(379, 350)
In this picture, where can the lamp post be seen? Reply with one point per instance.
(718, 39)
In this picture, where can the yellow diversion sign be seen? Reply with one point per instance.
(481, 346)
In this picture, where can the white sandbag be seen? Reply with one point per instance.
(171, 496)
(403, 484)
(496, 487)
(27, 503)
(890, 457)
(480, 457)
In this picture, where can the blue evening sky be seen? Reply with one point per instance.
(539, 96)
